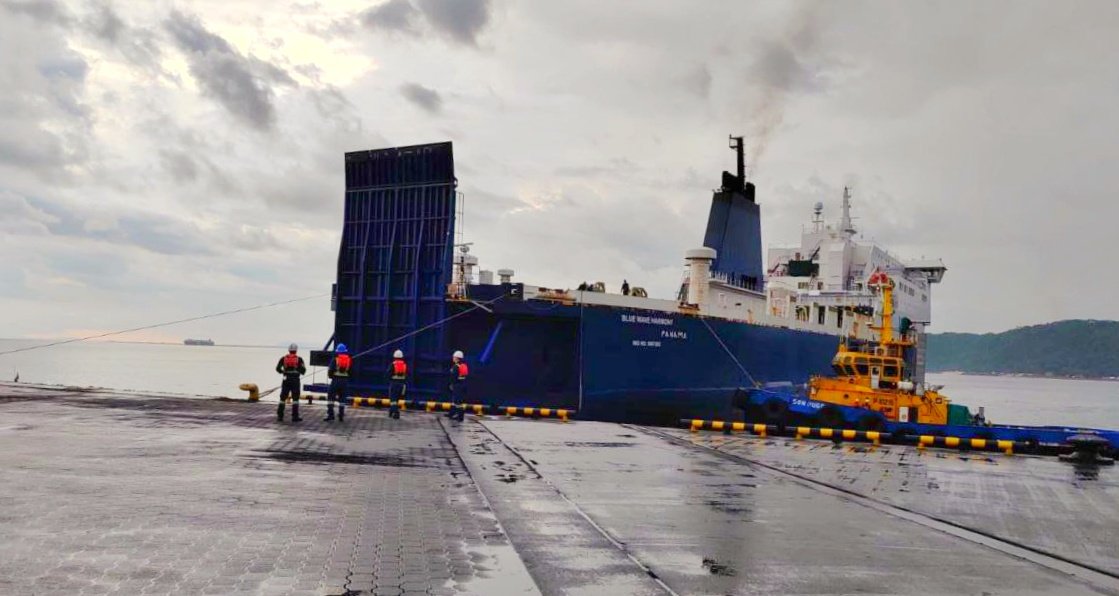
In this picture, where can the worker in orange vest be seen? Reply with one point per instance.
(292, 367)
(458, 373)
(339, 373)
(398, 382)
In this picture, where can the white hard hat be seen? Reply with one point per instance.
(458, 354)
(398, 354)
(293, 348)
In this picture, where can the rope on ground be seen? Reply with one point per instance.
(165, 324)
(729, 353)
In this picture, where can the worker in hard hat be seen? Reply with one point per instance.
(339, 373)
(458, 373)
(398, 382)
(292, 367)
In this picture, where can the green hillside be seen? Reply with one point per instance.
(1077, 348)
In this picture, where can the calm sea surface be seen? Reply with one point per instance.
(218, 370)
(201, 370)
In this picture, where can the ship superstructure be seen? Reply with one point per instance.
(406, 282)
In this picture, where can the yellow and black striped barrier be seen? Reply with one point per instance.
(1006, 447)
(378, 402)
(561, 413)
(478, 409)
(845, 434)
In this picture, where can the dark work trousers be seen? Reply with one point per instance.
(338, 392)
(458, 397)
(290, 387)
(397, 389)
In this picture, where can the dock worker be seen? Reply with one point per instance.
(292, 367)
(458, 373)
(625, 287)
(398, 379)
(339, 373)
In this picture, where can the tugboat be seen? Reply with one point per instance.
(873, 389)
(877, 380)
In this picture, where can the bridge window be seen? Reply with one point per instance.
(891, 372)
(862, 368)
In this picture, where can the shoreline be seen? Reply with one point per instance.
(1023, 375)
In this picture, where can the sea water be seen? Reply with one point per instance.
(218, 370)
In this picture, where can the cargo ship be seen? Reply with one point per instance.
(198, 342)
(740, 320)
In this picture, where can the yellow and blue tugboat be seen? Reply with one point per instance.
(875, 379)
(873, 389)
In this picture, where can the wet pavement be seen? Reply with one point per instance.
(126, 494)
(1066, 510)
(134, 494)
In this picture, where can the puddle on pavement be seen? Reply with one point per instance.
(716, 568)
(596, 444)
(319, 457)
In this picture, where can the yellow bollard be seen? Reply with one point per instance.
(562, 415)
(874, 436)
(696, 425)
(254, 391)
(1007, 447)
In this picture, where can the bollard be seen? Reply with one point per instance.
(254, 391)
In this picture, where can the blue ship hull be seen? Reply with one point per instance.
(626, 365)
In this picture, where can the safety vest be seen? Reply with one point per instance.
(462, 371)
(342, 365)
(399, 370)
(291, 364)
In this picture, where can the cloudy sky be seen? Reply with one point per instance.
(164, 159)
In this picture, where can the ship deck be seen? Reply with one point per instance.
(107, 492)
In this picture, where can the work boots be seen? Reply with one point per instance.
(280, 412)
(295, 411)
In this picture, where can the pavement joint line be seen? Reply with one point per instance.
(598, 528)
(478, 488)
(1093, 577)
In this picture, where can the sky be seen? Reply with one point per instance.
(160, 160)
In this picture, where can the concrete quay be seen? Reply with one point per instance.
(104, 492)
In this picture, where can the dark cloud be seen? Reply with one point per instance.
(394, 15)
(151, 231)
(46, 11)
(107, 24)
(243, 85)
(43, 112)
(425, 98)
(137, 45)
(460, 20)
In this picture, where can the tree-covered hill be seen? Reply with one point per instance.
(1077, 348)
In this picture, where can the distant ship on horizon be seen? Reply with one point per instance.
(198, 342)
